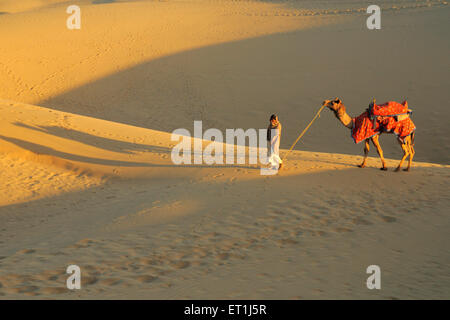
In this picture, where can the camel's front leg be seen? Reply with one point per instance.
(366, 153)
(405, 155)
(411, 154)
(377, 145)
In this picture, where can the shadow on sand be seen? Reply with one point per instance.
(44, 150)
(103, 1)
(231, 85)
(96, 141)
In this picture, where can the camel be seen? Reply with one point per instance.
(339, 110)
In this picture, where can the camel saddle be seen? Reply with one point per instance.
(391, 117)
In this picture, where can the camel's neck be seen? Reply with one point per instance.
(343, 117)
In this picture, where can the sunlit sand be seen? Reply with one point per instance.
(85, 150)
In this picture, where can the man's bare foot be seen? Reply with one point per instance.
(280, 166)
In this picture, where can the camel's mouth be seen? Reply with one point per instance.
(326, 103)
(332, 104)
(329, 104)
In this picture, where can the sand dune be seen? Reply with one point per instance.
(85, 141)
(173, 230)
(140, 64)
(14, 6)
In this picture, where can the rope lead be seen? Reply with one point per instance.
(303, 132)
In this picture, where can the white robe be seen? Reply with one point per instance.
(274, 158)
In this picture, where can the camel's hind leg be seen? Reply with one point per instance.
(411, 153)
(376, 143)
(366, 153)
(406, 153)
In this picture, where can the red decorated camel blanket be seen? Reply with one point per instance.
(390, 117)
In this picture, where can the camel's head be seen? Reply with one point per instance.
(333, 104)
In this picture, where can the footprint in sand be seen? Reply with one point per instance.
(283, 242)
(82, 244)
(111, 281)
(22, 289)
(50, 275)
(388, 219)
(26, 251)
(88, 280)
(319, 233)
(223, 256)
(361, 221)
(148, 261)
(54, 290)
(146, 278)
(180, 264)
(343, 230)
